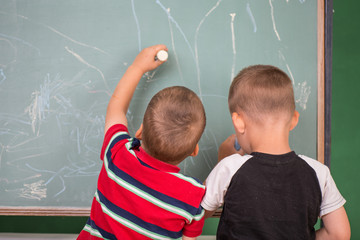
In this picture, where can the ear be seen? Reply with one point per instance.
(294, 120)
(238, 122)
(196, 151)
(138, 133)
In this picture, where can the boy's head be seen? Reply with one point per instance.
(262, 92)
(173, 124)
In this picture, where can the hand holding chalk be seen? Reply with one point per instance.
(145, 60)
(162, 56)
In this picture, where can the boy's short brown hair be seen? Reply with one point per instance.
(173, 124)
(260, 90)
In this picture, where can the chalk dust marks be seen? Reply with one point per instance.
(273, 20)
(82, 60)
(36, 190)
(174, 49)
(248, 10)
(55, 31)
(302, 90)
(232, 15)
(196, 44)
(137, 24)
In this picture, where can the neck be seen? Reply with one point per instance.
(271, 140)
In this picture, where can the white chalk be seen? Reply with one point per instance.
(162, 55)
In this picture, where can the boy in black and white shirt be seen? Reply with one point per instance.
(271, 193)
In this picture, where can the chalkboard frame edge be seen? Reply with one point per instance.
(321, 82)
(328, 45)
(45, 211)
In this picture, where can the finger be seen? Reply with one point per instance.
(160, 47)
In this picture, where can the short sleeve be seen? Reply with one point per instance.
(331, 197)
(219, 179)
(194, 229)
(110, 134)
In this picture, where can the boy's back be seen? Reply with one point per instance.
(273, 196)
(141, 197)
(140, 192)
(270, 193)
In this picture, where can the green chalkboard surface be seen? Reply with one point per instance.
(60, 61)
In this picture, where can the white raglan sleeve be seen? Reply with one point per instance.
(219, 180)
(331, 196)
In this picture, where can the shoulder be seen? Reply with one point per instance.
(232, 163)
(190, 180)
(321, 170)
(219, 180)
(331, 196)
(113, 135)
(116, 130)
(227, 167)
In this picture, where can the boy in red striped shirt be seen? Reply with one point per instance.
(140, 192)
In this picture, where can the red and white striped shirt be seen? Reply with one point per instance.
(140, 197)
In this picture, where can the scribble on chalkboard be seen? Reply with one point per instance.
(137, 24)
(251, 17)
(273, 20)
(4, 62)
(233, 46)
(1, 152)
(150, 75)
(22, 42)
(282, 57)
(53, 30)
(303, 91)
(196, 45)
(177, 26)
(40, 105)
(36, 190)
(2, 76)
(174, 49)
(75, 170)
(72, 40)
(211, 144)
(78, 57)
(54, 174)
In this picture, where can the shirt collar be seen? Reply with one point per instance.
(156, 163)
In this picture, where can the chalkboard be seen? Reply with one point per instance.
(61, 60)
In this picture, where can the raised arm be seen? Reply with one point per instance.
(124, 91)
(336, 226)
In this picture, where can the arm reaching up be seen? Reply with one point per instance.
(124, 91)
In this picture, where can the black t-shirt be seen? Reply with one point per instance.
(271, 197)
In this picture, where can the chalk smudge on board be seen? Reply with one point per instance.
(137, 24)
(174, 49)
(21, 41)
(36, 190)
(177, 26)
(303, 91)
(251, 17)
(196, 45)
(233, 45)
(273, 20)
(40, 105)
(3, 61)
(2, 76)
(78, 57)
